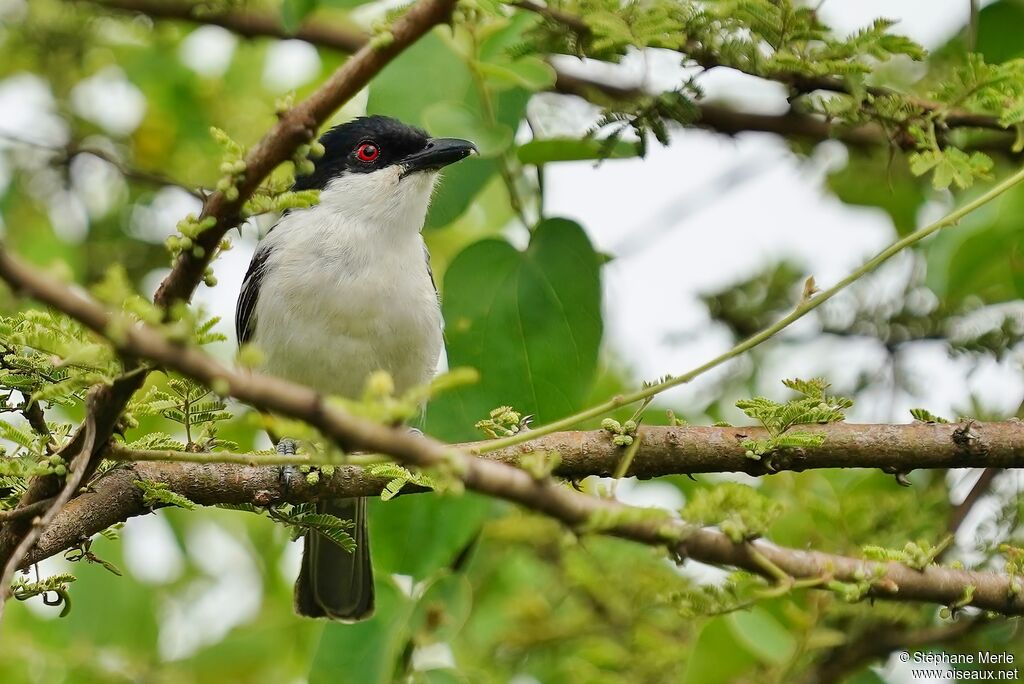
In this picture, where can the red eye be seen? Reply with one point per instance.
(367, 152)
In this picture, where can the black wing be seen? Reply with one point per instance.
(245, 322)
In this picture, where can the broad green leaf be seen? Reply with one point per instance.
(454, 120)
(294, 12)
(574, 149)
(708, 661)
(981, 257)
(998, 35)
(531, 73)
(895, 190)
(417, 535)
(762, 635)
(368, 651)
(445, 606)
(529, 322)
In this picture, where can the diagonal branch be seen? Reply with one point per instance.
(887, 580)
(978, 491)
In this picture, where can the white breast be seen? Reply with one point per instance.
(347, 291)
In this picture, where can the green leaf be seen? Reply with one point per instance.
(983, 257)
(331, 527)
(572, 149)
(895, 189)
(998, 34)
(528, 72)
(762, 635)
(294, 12)
(417, 535)
(529, 322)
(455, 120)
(367, 650)
(156, 494)
(707, 663)
(951, 165)
(926, 416)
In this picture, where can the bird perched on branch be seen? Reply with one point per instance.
(342, 289)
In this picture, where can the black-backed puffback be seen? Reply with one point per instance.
(341, 290)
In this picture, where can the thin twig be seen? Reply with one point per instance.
(801, 310)
(31, 509)
(33, 413)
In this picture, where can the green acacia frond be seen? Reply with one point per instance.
(156, 494)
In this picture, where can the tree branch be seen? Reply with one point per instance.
(232, 478)
(691, 450)
(729, 121)
(799, 83)
(888, 580)
(980, 489)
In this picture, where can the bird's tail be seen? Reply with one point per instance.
(334, 583)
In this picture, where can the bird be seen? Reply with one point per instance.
(341, 290)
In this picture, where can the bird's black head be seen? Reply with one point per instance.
(372, 143)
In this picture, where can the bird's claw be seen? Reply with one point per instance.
(289, 474)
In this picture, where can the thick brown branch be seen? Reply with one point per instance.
(693, 449)
(890, 580)
(718, 118)
(232, 478)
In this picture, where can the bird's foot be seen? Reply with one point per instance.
(292, 476)
(289, 474)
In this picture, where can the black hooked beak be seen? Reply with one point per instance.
(438, 153)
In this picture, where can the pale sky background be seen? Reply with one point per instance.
(666, 218)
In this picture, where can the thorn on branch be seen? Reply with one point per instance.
(966, 439)
(901, 476)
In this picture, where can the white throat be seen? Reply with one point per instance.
(347, 289)
(382, 198)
